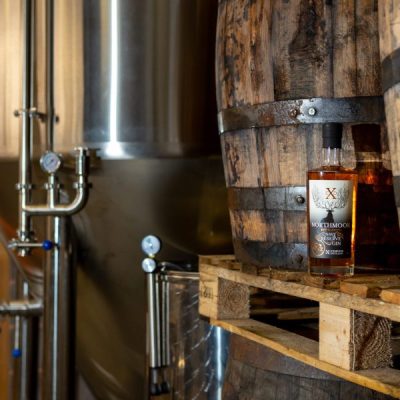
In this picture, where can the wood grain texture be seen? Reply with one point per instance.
(384, 380)
(369, 286)
(222, 299)
(333, 297)
(281, 50)
(391, 295)
(353, 340)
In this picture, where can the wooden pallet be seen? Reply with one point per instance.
(355, 317)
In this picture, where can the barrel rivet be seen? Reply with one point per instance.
(293, 113)
(298, 258)
(300, 199)
(312, 111)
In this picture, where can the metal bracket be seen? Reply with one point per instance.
(317, 110)
(31, 112)
(283, 198)
(391, 70)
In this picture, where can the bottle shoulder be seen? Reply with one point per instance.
(333, 173)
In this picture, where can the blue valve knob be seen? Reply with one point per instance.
(47, 245)
(16, 353)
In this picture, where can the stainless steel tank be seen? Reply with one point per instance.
(133, 79)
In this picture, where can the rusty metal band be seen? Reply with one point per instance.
(369, 109)
(396, 187)
(274, 255)
(391, 70)
(283, 198)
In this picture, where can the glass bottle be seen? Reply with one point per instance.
(331, 210)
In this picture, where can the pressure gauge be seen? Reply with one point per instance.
(149, 265)
(50, 162)
(151, 245)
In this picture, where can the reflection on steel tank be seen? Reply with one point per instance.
(135, 80)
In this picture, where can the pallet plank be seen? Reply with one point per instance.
(384, 380)
(370, 306)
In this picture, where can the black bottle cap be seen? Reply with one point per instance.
(332, 135)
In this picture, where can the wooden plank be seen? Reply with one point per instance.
(391, 295)
(222, 299)
(369, 285)
(371, 306)
(353, 340)
(384, 380)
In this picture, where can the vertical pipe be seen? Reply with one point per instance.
(25, 145)
(154, 319)
(50, 73)
(29, 353)
(165, 355)
(25, 385)
(59, 312)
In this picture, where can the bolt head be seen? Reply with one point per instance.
(312, 111)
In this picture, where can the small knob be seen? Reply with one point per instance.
(16, 353)
(47, 245)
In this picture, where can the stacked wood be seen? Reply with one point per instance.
(274, 51)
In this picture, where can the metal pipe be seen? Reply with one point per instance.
(24, 184)
(165, 347)
(50, 73)
(154, 320)
(58, 325)
(25, 353)
(23, 308)
(52, 208)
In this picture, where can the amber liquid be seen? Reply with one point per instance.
(333, 267)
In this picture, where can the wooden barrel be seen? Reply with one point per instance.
(258, 373)
(389, 34)
(283, 68)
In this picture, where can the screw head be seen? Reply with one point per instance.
(300, 199)
(312, 111)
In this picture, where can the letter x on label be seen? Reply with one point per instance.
(330, 193)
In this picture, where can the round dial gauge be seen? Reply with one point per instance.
(149, 265)
(50, 162)
(151, 245)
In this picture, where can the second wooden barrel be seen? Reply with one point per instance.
(389, 18)
(283, 68)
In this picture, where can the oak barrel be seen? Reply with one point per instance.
(283, 68)
(389, 31)
(258, 373)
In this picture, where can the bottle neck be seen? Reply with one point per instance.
(331, 156)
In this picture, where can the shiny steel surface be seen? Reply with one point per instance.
(182, 201)
(133, 78)
(59, 315)
(198, 350)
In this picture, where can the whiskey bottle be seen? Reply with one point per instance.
(331, 206)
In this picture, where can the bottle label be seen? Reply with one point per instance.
(330, 208)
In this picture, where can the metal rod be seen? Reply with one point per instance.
(165, 348)
(23, 308)
(58, 325)
(25, 353)
(50, 73)
(154, 319)
(24, 185)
